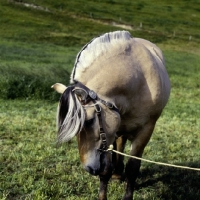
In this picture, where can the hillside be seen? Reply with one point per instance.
(40, 39)
(76, 22)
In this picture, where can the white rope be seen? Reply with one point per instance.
(92, 105)
(158, 163)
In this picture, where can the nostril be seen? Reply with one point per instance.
(93, 171)
(89, 169)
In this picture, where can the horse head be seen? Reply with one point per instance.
(94, 121)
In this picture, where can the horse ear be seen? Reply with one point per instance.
(82, 94)
(58, 87)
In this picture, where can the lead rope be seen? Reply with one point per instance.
(157, 163)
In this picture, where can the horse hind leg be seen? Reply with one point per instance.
(119, 159)
(133, 165)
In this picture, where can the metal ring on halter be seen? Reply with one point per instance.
(98, 108)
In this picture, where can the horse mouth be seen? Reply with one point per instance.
(96, 172)
(92, 171)
(104, 167)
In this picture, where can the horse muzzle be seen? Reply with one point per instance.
(102, 166)
(92, 170)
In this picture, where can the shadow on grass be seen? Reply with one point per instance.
(171, 183)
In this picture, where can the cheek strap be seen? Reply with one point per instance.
(102, 134)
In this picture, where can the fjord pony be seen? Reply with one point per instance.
(119, 87)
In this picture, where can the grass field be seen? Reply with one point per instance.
(38, 48)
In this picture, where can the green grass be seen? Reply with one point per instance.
(38, 48)
(33, 167)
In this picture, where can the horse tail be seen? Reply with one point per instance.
(70, 116)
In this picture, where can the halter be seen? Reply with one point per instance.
(92, 96)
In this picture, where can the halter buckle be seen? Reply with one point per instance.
(92, 94)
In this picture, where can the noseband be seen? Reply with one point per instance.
(92, 96)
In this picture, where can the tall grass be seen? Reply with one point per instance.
(28, 70)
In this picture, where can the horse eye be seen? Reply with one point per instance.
(89, 122)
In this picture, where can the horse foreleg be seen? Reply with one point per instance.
(119, 159)
(132, 171)
(133, 165)
(103, 187)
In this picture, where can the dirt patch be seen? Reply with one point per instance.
(29, 5)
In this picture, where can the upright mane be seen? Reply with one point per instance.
(97, 47)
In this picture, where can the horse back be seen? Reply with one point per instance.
(131, 75)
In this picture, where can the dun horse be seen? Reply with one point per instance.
(119, 87)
